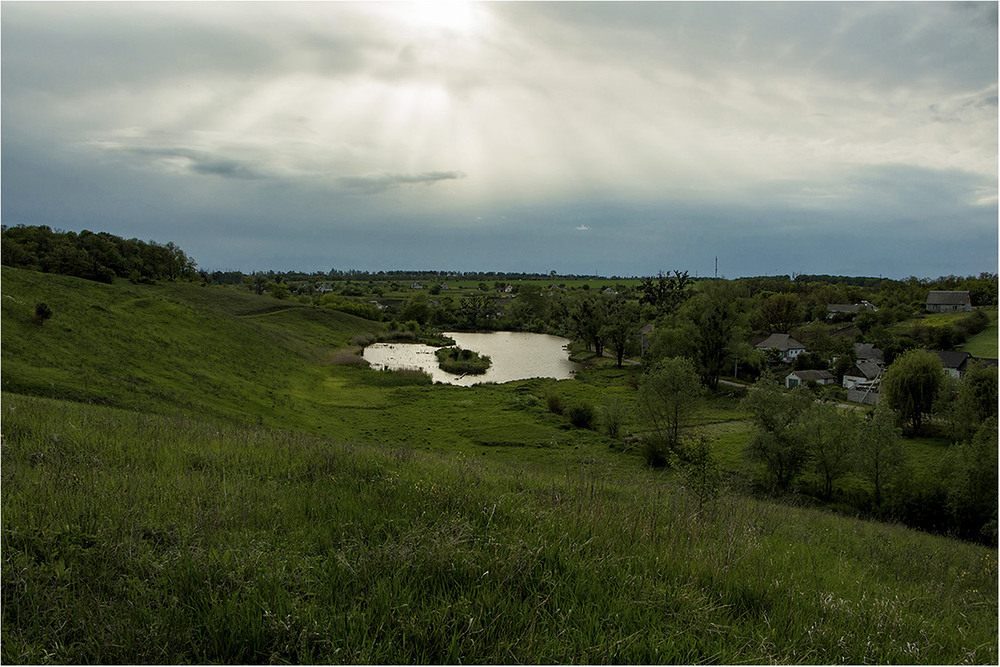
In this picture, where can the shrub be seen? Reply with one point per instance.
(581, 415)
(42, 312)
(460, 362)
(555, 404)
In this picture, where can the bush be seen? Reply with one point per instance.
(656, 451)
(42, 312)
(554, 403)
(461, 362)
(581, 415)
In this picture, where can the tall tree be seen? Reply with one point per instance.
(586, 319)
(621, 324)
(665, 293)
(911, 384)
(716, 318)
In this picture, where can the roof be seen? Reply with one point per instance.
(940, 298)
(813, 375)
(866, 352)
(866, 369)
(954, 360)
(843, 308)
(782, 342)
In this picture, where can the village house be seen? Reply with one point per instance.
(953, 363)
(787, 347)
(796, 378)
(948, 302)
(861, 372)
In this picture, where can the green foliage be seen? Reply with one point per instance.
(667, 397)
(42, 312)
(581, 415)
(776, 440)
(461, 362)
(911, 384)
(830, 439)
(880, 456)
(555, 403)
(100, 257)
(972, 487)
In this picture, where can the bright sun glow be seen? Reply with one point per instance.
(461, 18)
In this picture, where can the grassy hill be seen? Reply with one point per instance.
(188, 477)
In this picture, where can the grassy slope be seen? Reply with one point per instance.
(229, 544)
(455, 524)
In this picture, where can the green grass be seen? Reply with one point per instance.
(984, 344)
(191, 474)
(132, 538)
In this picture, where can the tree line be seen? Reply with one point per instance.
(98, 256)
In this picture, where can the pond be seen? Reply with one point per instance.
(516, 356)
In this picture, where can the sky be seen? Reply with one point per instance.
(607, 138)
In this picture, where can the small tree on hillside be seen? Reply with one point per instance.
(42, 312)
(880, 454)
(776, 441)
(666, 397)
(830, 439)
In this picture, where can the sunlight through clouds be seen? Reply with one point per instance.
(397, 114)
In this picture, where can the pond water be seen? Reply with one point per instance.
(516, 356)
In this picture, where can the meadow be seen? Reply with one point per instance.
(199, 474)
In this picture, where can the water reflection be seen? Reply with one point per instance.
(515, 356)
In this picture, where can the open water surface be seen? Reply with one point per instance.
(516, 356)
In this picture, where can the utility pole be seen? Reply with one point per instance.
(716, 267)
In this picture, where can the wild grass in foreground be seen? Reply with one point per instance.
(131, 538)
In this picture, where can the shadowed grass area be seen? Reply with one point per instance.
(169, 539)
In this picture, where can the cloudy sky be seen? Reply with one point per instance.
(613, 138)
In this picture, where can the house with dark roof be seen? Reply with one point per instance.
(948, 302)
(863, 371)
(787, 347)
(796, 378)
(868, 352)
(954, 363)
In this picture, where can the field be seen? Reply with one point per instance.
(194, 474)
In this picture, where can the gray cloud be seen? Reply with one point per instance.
(381, 182)
(668, 132)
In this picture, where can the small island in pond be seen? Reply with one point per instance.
(462, 362)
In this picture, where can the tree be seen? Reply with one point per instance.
(716, 318)
(775, 441)
(779, 312)
(621, 319)
(829, 438)
(42, 312)
(665, 293)
(976, 400)
(911, 384)
(586, 319)
(666, 397)
(972, 486)
(880, 453)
